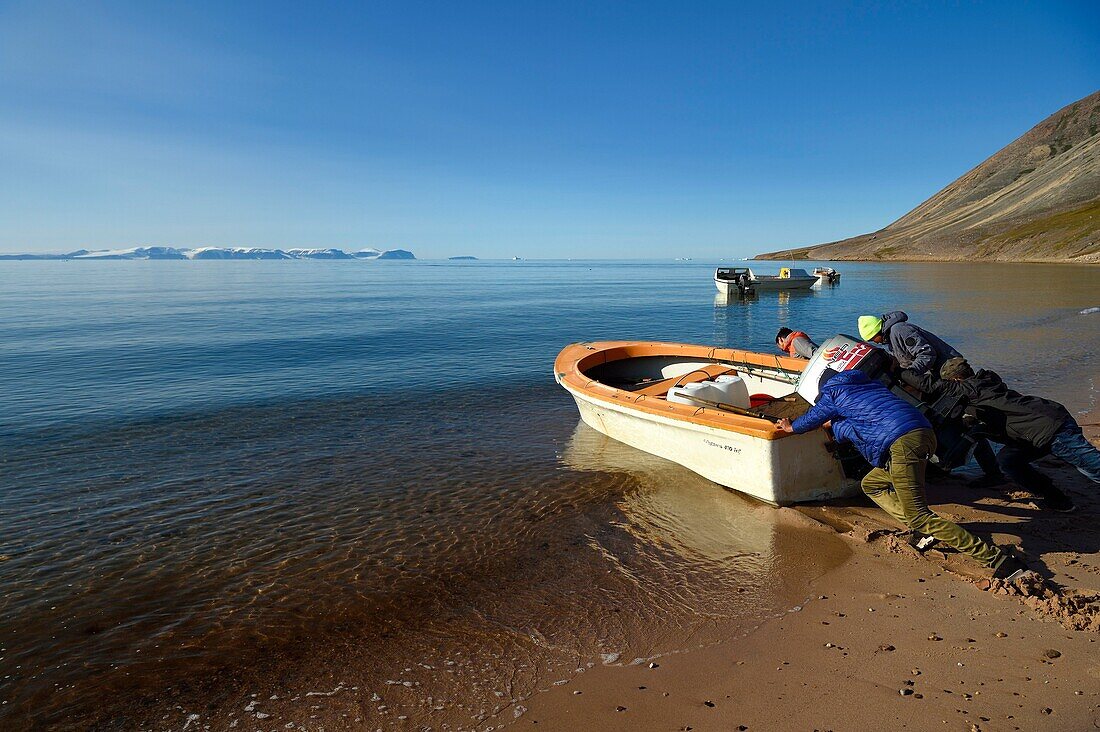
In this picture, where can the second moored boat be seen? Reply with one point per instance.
(737, 280)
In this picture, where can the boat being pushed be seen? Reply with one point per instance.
(712, 410)
(738, 280)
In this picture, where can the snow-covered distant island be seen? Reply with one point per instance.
(220, 253)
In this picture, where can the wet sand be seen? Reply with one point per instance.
(893, 640)
(887, 639)
(472, 656)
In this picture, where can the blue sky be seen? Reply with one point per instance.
(514, 128)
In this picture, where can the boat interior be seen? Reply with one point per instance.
(772, 388)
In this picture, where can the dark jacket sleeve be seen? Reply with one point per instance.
(921, 353)
(819, 414)
(928, 383)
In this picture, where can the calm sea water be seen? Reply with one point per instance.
(217, 474)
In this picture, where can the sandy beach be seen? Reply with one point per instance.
(890, 640)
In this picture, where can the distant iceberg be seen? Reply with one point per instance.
(235, 253)
(1090, 311)
(318, 254)
(134, 253)
(218, 253)
(396, 254)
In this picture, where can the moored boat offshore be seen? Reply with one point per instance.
(712, 410)
(732, 280)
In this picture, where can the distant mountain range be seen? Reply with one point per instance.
(1037, 199)
(219, 253)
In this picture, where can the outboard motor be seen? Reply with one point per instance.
(844, 353)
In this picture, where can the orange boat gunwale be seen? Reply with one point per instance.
(576, 358)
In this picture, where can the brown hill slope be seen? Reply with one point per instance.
(1038, 199)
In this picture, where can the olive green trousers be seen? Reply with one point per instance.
(899, 491)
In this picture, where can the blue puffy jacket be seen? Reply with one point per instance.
(863, 412)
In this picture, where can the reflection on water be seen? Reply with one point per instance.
(677, 509)
(1024, 321)
(220, 476)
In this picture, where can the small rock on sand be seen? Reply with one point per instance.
(1052, 653)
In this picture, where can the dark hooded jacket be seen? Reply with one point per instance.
(1008, 415)
(863, 412)
(915, 348)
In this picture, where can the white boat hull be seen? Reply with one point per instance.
(777, 284)
(726, 288)
(780, 284)
(781, 472)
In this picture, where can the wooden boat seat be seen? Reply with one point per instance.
(660, 388)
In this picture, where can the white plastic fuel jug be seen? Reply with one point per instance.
(733, 390)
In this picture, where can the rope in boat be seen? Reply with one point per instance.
(757, 370)
(735, 409)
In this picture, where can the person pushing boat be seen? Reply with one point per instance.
(1029, 427)
(795, 343)
(920, 352)
(897, 441)
(916, 349)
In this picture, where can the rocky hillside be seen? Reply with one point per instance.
(1038, 199)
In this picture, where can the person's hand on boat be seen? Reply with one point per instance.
(785, 425)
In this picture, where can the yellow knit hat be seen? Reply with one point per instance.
(869, 326)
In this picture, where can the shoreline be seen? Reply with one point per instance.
(892, 639)
(1094, 261)
(918, 648)
(886, 639)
